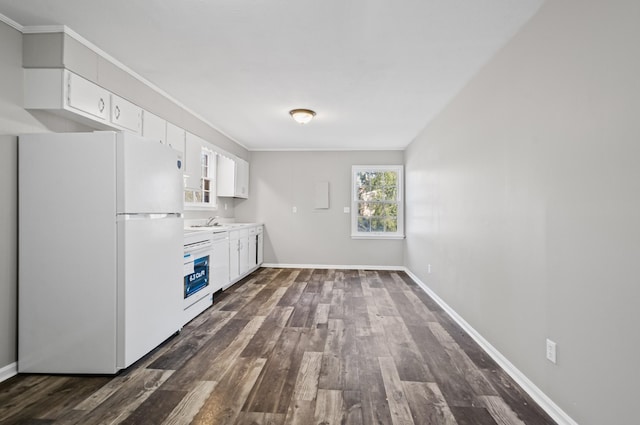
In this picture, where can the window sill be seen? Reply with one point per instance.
(195, 206)
(377, 236)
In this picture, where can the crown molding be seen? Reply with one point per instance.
(44, 29)
(11, 23)
(395, 148)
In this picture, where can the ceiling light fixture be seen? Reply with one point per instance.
(302, 116)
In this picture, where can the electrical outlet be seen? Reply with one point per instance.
(429, 268)
(346, 210)
(551, 351)
(294, 210)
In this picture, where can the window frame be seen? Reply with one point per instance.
(211, 176)
(399, 201)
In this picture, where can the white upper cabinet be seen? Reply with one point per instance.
(67, 94)
(233, 177)
(79, 99)
(199, 173)
(87, 97)
(154, 127)
(242, 177)
(192, 160)
(176, 137)
(126, 115)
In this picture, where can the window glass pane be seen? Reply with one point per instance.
(364, 224)
(377, 224)
(391, 210)
(377, 185)
(380, 209)
(391, 224)
(377, 209)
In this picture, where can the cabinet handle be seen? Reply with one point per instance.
(101, 105)
(117, 112)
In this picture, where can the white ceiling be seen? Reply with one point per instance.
(375, 71)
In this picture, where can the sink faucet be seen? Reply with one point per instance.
(212, 221)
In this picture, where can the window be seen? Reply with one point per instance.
(208, 173)
(377, 202)
(203, 192)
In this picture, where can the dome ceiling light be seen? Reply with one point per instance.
(302, 116)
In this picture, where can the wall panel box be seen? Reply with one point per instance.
(321, 195)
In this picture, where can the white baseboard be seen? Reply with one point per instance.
(8, 371)
(330, 266)
(552, 409)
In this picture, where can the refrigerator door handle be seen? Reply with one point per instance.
(148, 216)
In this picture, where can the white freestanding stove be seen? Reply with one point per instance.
(197, 290)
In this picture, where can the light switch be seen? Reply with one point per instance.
(347, 210)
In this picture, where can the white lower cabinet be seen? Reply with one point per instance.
(253, 247)
(245, 252)
(219, 262)
(260, 245)
(234, 256)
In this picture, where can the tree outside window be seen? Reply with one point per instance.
(377, 202)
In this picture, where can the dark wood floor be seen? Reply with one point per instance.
(294, 346)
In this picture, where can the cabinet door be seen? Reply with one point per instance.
(243, 252)
(193, 160)
(234, 256)
(220, 264)
(252, 243)
(125, 114)
(175, 137)
(154, 127)
(260, 246)
(226, 176)
(242, 179)
(87, 97)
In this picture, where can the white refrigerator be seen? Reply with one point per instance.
(100, 250)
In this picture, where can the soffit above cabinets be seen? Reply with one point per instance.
(376, 72)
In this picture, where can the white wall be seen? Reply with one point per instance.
(14, 120)
(281, 180)
(524, 195)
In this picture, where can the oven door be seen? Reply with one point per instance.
(196, 276)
